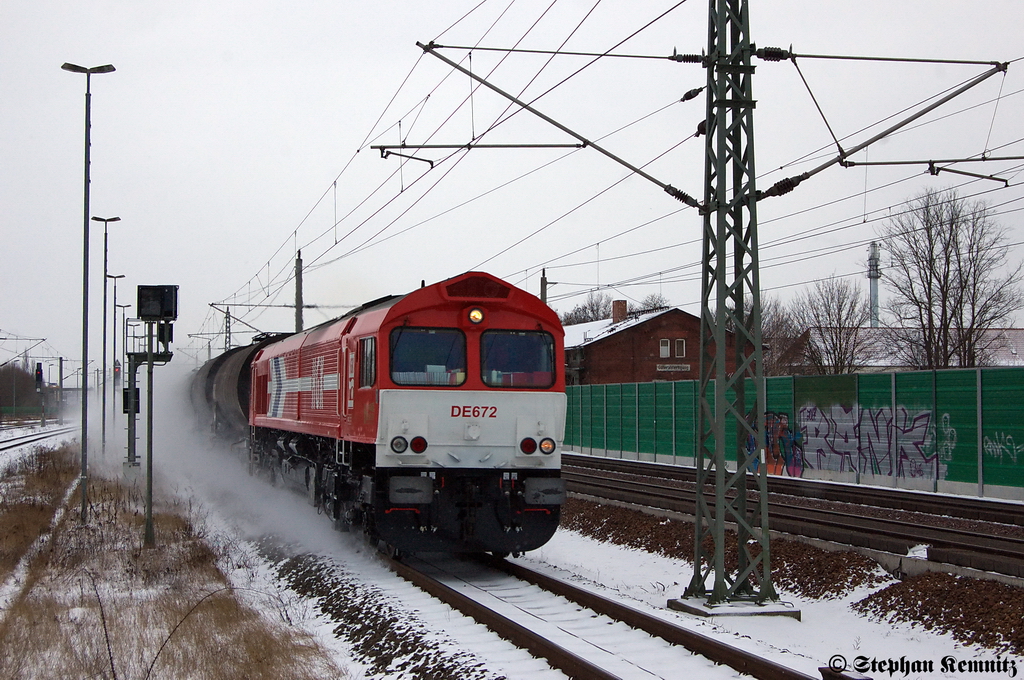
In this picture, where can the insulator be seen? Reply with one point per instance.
(784, 186)
(686, 58)
(682, 196)
(773, 53)
(692, 94)
(702, 128)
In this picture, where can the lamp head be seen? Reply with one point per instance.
(75, 68)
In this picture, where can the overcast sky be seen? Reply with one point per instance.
(234, 133)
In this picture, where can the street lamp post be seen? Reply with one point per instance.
(106, 68)
(103, 398)
(124, 334)
(113, 333)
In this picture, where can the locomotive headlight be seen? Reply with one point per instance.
(399, 444)
(476, 315)
(547, 445)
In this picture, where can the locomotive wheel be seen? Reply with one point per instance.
(389, 550)
(343, 516)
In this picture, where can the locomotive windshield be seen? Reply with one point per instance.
(428, 356)
(517, 359)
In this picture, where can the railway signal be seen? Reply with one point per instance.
(158, 308)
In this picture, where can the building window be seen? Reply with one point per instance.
(665, 346)
(680, 347)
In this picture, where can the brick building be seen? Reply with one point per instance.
(663, 344)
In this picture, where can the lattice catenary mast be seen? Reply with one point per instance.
(730, 400)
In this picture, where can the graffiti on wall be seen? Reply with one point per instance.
(947, 440)
(784, 453)
(1001, 445)
(839, 438)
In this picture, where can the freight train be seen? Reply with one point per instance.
(433, 421)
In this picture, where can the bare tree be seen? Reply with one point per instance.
(597, 306)
(649, 303)
(834, 313)
(949, 281)
(17, 387)
(783, 340)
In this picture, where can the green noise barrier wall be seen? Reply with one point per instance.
(954, 431)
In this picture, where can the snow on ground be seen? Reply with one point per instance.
(17, 452)
(827, 627)
(249, 508)
(241, 509)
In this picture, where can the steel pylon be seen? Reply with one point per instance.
(731, 401)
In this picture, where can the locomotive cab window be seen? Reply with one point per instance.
(367, 361)
(517, 359)
(428, 356)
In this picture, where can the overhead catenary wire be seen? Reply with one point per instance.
(516, 179)
(571, 53)
(834, 136)
(287, 279)
(813, 232)
(369, 136)
(783, 260)
(360, 247)
(285, 269)
(786, 185)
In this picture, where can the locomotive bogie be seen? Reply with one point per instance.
(470, 510)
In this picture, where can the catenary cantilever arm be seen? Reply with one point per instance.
(431, 48)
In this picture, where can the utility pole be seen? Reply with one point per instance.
(544, 283)
(149, 535)
(298, 292)
(60, 389)
(730, 399)
(227, 329)
(874, 273)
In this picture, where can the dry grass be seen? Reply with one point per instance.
(98, 605)
(31, 487)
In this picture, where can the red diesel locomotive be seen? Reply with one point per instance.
(434, 420)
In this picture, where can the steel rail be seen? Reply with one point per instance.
(981, 509)
(562, 659)
(34, 437)
(719, 652)
(845, 518)
(1003, 554)
(572, 664)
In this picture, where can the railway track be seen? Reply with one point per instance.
(577, 631)
(34, 437)
(850, 516)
